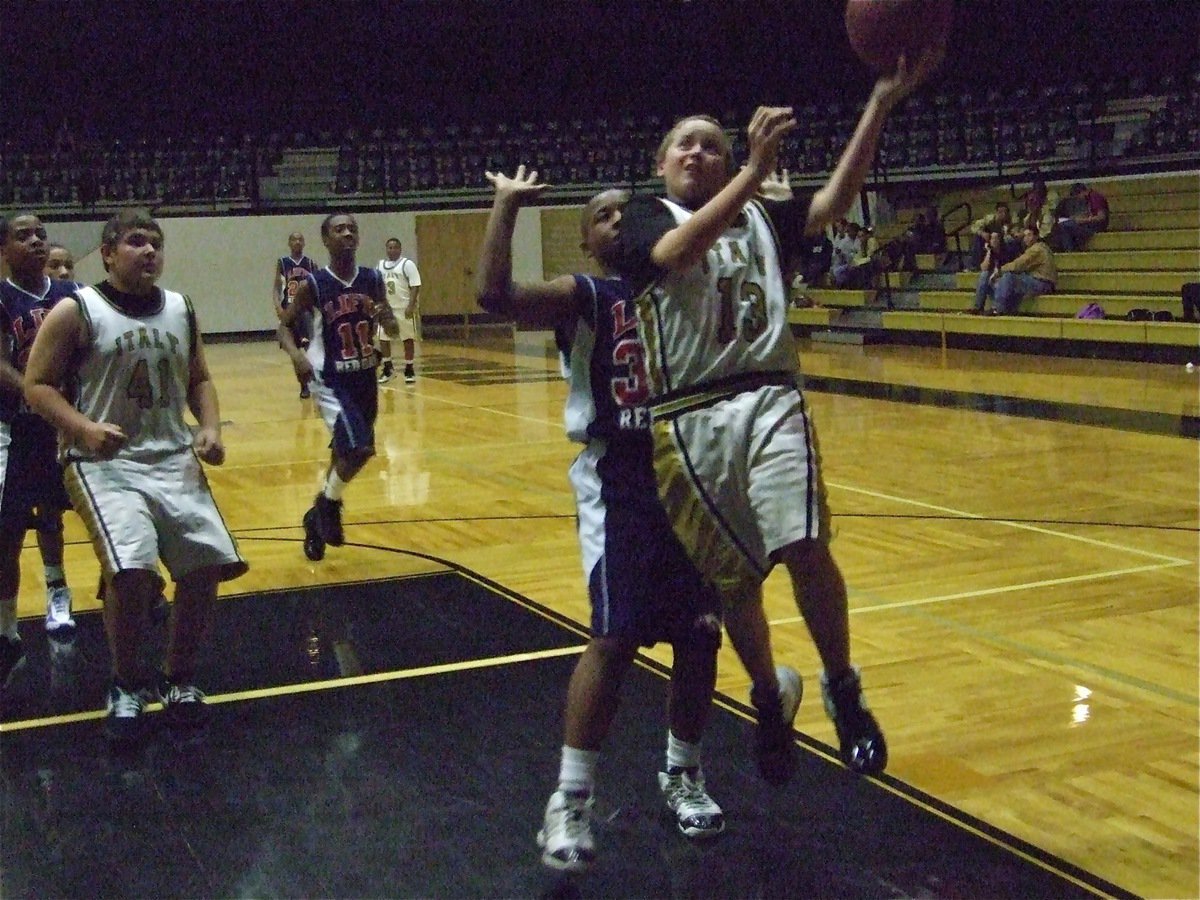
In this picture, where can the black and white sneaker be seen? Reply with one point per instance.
(566, 833)
(59, 622)
(183, 705)
(328, 519)
(774, 739)
(696, 814)
(862, 747)
(125, 726)
(386, 373)
(410, 375)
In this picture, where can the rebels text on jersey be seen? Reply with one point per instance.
(608, 388)
(21, 315)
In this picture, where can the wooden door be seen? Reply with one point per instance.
(448, 247)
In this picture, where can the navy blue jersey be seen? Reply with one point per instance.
(607, 364)
(21, 315)
(294, 272)
(341, 341)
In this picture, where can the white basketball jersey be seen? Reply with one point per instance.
(398, 279)
(135, 372)
(580, 409)
(725, 316)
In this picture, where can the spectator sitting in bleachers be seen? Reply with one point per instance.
(924, 235)
(850, 268)
(812, 267)
(1082, 214)
(995, 255)
(1031, 274)
(994, 221)
(1040, 203)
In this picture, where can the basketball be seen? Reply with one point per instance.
(881, 30)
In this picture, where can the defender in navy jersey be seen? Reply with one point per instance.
(31, 480)
(642, 586)
(342, 301)
(134, 353)
(290, 272)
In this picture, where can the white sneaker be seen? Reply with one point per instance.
(58, 608)
(695, 812)
(566, 834)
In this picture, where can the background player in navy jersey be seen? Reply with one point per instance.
(60, 263)
(133, 465)
(30, 477)
(290, 272)
(339, 363)
(642, 587)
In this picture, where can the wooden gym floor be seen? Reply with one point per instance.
(1023, 587)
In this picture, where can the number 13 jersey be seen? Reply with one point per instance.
(722, 318)
(135, 369)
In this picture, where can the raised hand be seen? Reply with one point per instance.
(518, 188)
(776, 186)
(767, 128)
(891, 89)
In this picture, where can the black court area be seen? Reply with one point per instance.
(400, 738)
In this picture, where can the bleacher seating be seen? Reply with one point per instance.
(1134, 271)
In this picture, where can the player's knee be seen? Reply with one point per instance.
(704, 635)
(614, 652)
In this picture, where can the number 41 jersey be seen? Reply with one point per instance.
(135, 369)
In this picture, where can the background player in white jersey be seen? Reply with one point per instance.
(31, 484)
(133, 465)
(341, 301)
(721, 361)
(642, 587)
(290, 272)
(402, 281)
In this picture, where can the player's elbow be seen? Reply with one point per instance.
(495, 301)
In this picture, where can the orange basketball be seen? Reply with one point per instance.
(881, 30)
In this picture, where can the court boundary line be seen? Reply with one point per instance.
(997, 837)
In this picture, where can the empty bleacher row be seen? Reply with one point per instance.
(937, 135)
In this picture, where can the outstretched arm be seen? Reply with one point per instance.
(833, 200)
(531, 303)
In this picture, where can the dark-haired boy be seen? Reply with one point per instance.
(133, 467)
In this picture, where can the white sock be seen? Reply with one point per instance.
(8, 618)
(577, 770)
(55, 575)
(681, 754)
(334, 486)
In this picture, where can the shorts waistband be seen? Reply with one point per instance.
(676, 403)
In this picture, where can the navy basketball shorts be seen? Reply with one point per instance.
(641, 583)
(30, 476)
(349, 405)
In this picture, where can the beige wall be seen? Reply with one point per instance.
(226, 264)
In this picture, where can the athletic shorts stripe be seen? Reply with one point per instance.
(740, 479)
